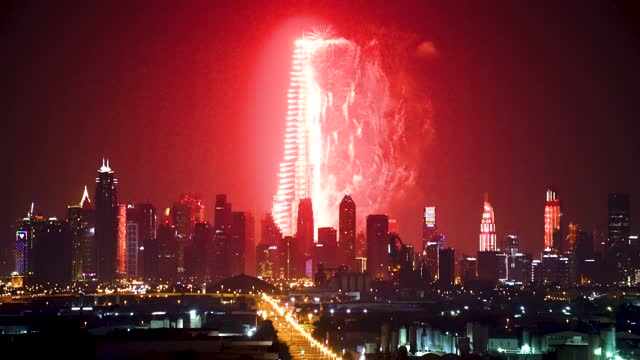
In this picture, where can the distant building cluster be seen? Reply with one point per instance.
(106, 241)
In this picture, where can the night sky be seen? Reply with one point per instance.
(190, 97)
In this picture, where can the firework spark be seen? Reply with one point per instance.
(355, 124)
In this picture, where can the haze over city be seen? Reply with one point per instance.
(367, 180)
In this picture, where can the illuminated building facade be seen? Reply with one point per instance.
(305, 226)
(141, 227)
(222, 237)
(619, 217)
(429, 229)
(295, 178)
(122, 241)
(551, 219)
(24, 238)
(82, 222)
(431, 255)
(106, 231)
(347, 232)
(468, 270)
(487, 227)
(185, 213)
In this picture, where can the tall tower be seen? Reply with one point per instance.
(295, 179)
(141, 228)
(551, 219)
(619, 217)
(238, 242)
(378, 259)
(305, 228)
(82, 226)
(347, 230)
(429, 229)
(488, 227)
(222, 237)
(106, 232)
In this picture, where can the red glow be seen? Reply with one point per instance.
(488, 228)
(551, 218)
(121, 252)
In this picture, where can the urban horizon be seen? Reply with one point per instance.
(321, 180)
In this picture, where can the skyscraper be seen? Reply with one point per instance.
(106, 232)
(326, 248)
(488, 227)
(122, 241)
(24, 246)
(238, 242)
(446, 267)
(82, 222)
(377, 246)
(185, 213)
(296, 169)
(429, 228)
(52, 253)
(250, 244)
(222, 238)
(271, 234)
(347, 229)
(141, 227)
(619, 217)
(305, 230)
(512, 244)
(551, 219)
(199, 263)
(431, 254)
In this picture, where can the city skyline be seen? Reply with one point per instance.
(516, 190)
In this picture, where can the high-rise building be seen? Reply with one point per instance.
(222, 238)
(267, 252)
(555, 268)
(296, 170)
(238, 243)
(271, 234)
(24, 246)
(106, 231)
(250, 244)
(377, 243)
(52, 253)
(429, 229)
(520, 268)
(446, 266)
(185, 213)
(141, 227)
(161, 254)
(619, 217)
(199, 264)
(512, 244)
(572, 236)
(468, 269)
(326, 248)
(305, 228)
(489, 266)
(431, 254)
(264, 261)
(121, 254)
(551, 219)
(488, 227)
(82, 222)
(347, 229)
